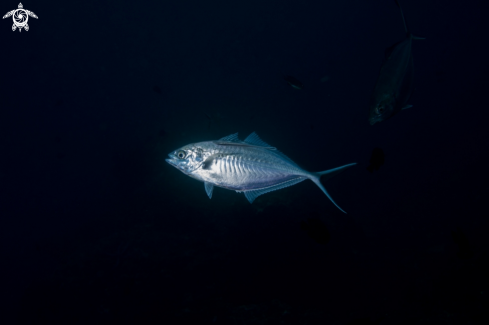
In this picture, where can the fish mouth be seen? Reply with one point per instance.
(177, 163)
(172, 160)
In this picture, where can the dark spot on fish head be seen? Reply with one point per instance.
(207, 164)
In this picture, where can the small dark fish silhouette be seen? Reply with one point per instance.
(376, 160)
(293, 82)
(316, 230)
(395, 83)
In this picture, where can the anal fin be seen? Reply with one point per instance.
(253, 194)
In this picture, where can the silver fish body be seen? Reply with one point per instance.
(250, 166)
(395, 83)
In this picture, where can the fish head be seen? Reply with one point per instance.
(187, 159)
(382, 109)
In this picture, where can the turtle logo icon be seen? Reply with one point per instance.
(20, 17)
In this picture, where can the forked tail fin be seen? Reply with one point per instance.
(405, 25)
(328, 174)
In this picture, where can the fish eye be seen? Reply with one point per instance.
(380, 109)
(181, 154)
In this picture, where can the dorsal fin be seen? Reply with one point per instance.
(251, 141)
(255, 140)
(287, 158)
(231, 138)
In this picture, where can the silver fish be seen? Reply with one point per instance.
(395, 83)
(250, 166)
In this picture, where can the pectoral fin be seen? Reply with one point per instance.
(209, 188)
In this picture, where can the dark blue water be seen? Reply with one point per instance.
(97, 229)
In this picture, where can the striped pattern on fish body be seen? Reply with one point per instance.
(242, 168)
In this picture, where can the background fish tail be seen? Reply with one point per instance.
(411, 36)
(315, 177)
(416, 37)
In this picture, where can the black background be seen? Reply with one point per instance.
(96, 228)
